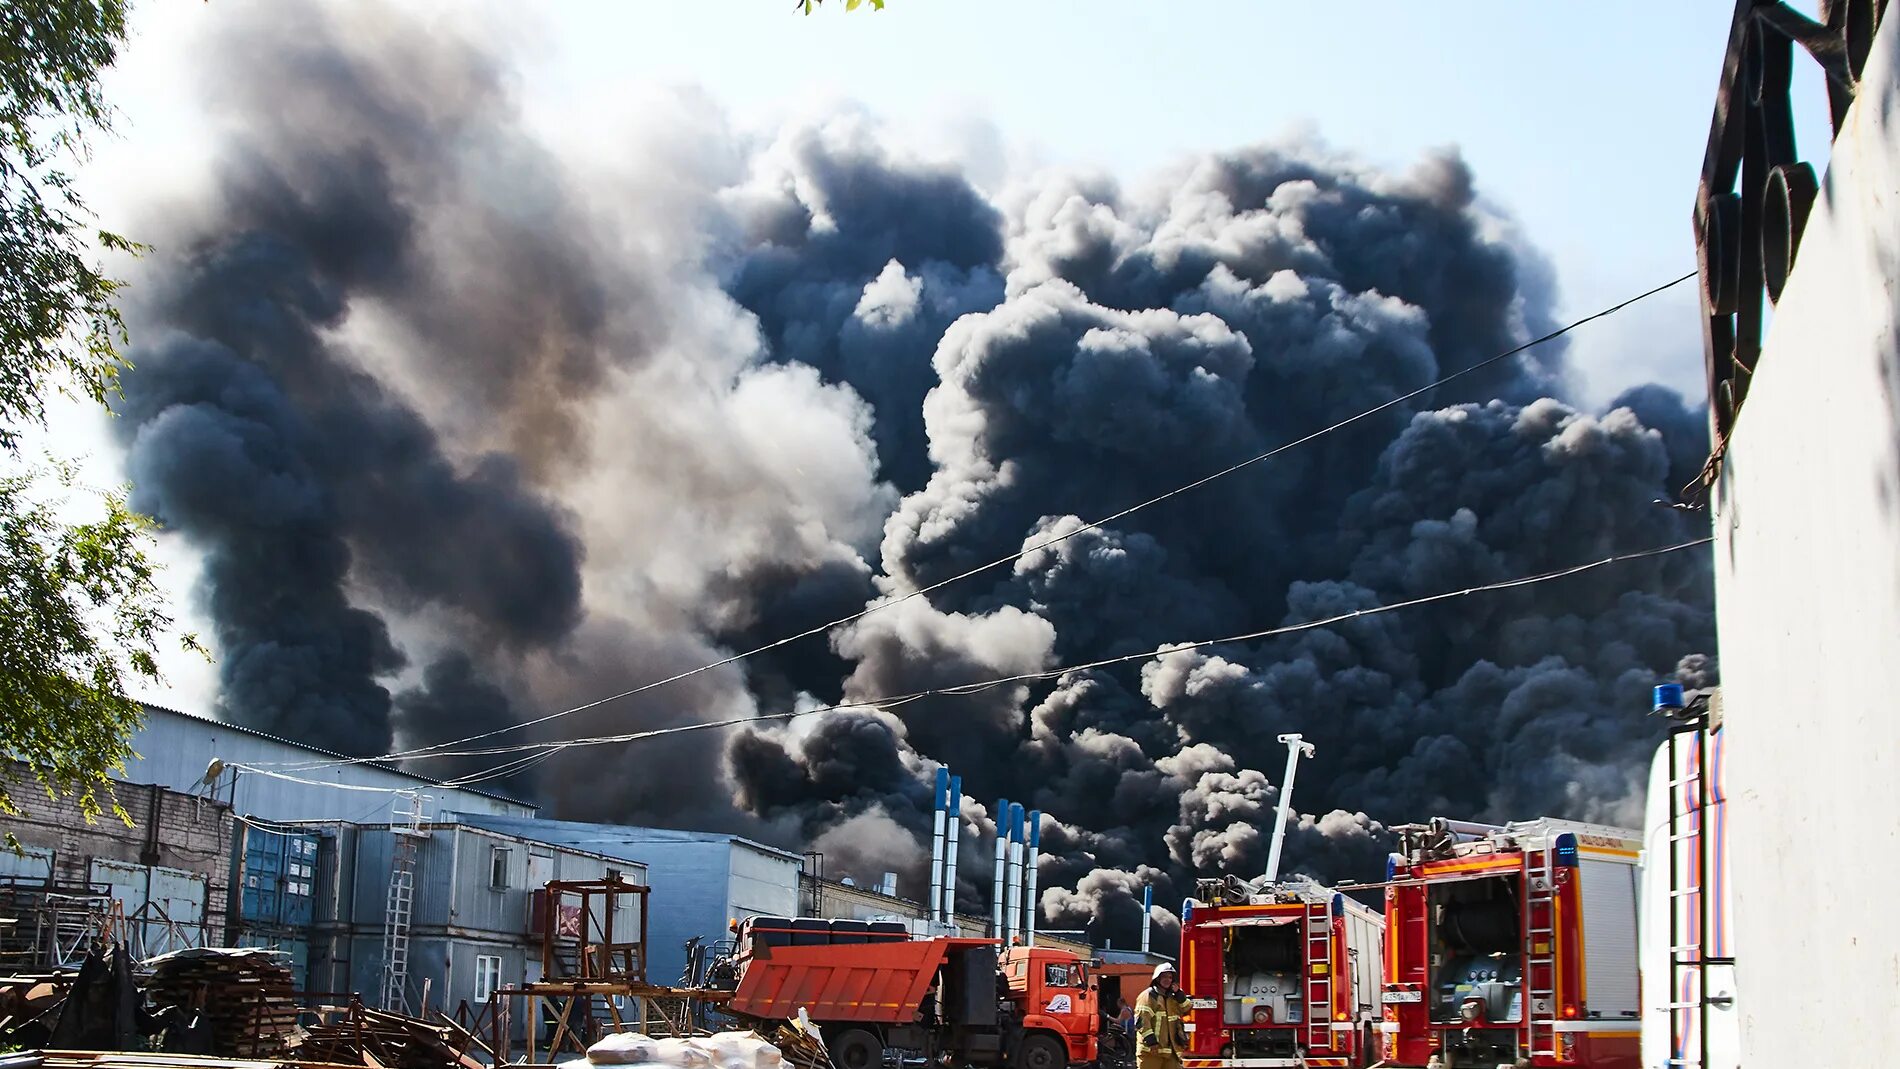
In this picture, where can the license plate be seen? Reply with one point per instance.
(1402, 996)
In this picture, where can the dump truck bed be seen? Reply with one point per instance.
(868, 982)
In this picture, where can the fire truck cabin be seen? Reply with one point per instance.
(1512, 945)
(1286, 975)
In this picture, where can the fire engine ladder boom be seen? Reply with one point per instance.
(1688, 965)
(1540, 953)
(1319, 977)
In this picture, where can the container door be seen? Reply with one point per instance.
(175, 912)
(263, 876)
(299, 889)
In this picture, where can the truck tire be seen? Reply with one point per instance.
(1041, 1052)
(855, 1048)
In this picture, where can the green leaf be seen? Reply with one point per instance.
(852, 5)
(81, 614)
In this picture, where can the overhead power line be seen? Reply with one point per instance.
(545, 749)
(435, 748)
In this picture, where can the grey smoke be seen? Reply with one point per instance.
(468, 431)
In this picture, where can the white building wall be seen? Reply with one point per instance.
(1808, 582)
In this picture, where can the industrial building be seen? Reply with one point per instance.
(260, 775)
(845, 900)
(702, 881)
(471, 924)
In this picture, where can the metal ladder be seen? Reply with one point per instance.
(1540, 952)
(404, 838)
(1319, 977)
(1688, 965)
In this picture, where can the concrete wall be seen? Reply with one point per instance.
(177, 839)
(1808, 584)
(175, 749)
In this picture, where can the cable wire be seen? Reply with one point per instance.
(1204, 480)
(549, 748)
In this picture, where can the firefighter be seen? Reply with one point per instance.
(1160, 1022)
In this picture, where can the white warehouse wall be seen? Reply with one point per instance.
(1807, 524)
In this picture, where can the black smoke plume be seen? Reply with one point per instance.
(469, 431)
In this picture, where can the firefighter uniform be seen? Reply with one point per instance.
(1160, 1028)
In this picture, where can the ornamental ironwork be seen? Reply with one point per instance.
(1755, 193)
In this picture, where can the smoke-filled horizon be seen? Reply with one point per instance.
(466, 430)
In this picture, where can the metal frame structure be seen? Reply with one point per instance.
(1755, 194)
(586, 970)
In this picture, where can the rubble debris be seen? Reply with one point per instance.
(361, 1036)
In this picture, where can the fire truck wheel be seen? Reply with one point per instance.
(854, 1048)
(1041, 1052)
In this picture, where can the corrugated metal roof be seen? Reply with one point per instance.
(321, 752)
(617, 834)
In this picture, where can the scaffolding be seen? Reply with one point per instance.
(54, 926)
(593, 961)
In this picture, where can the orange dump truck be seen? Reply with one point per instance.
(943, 999)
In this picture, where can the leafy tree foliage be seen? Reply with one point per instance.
(849, 5)
(80, 613)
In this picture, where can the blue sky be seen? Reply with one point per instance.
(1586, 122)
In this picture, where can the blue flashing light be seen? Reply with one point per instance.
(1339, 904)
(1565, 851)
(1667, 697)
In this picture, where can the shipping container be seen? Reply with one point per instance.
(277, 879)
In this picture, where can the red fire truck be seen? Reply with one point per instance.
(1285, 974)
(1512, 945)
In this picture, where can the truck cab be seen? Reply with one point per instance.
(1053, 992)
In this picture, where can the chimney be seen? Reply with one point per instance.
(1013, 919)
(955, 822)
(1147, 915)
(1002, 864)
(937, 843)
(1029, 875)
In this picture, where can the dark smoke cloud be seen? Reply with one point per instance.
(465, 428)
(255, 431)
(1147, 340)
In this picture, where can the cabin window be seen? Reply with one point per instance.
(1057, 974)
(487, 975)
(498, 868)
